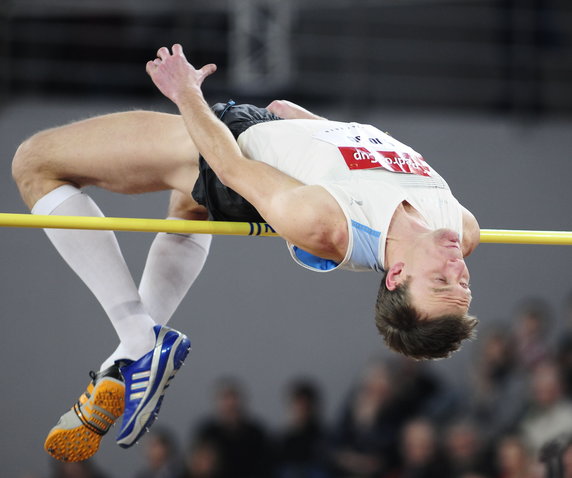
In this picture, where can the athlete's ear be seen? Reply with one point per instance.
(395, 276)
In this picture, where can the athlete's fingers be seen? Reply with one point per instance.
(208, 70)
(163, 53)
(177, 49)
(152, 65)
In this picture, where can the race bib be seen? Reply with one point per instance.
(365, 147)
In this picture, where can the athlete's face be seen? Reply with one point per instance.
(438, 276)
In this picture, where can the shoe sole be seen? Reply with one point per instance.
(80, 443)
(148, 414)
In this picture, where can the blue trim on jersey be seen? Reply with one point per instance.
(366, 229)
(313, 261)
(366, 247)
(364, 254)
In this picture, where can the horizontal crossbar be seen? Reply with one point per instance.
(498, 236)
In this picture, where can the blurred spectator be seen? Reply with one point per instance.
(202, 461)
(161, 460)
(498, 395)
(464, 450)
(514, 459)
(567, 461)
(553, 456)
(532, 319)
(365, 440)
(419, 391)
(565, 346)
(549, 413)
(420, 452)
(301, 449)
(241, 441)
(81, 469)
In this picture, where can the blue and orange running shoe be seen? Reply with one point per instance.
(77, 434)
(146, 380)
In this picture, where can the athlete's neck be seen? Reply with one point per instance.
(406, 225)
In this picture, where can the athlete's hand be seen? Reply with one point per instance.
(173, 74)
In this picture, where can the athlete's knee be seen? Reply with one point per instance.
(25, 162)
(30, 169)
(183, 206)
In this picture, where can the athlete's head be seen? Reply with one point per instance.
(423, 301)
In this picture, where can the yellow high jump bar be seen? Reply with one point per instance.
(506, 236)
(497, 236)
(136, 224)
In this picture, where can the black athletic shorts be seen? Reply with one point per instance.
(223, 203)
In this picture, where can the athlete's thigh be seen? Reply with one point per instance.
(130, 152)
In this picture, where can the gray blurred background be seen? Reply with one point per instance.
(483, 89)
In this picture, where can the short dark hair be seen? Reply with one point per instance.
(406, 331)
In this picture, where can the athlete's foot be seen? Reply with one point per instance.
(77, 435)
(146, 380)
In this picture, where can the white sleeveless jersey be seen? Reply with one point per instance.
(368, 172)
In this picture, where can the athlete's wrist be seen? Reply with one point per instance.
(190, 98)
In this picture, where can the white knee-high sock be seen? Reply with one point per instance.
(173, 264)
(96, 258)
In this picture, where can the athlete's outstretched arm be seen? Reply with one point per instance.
(306, 215)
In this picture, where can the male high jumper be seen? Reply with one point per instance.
(343, 195)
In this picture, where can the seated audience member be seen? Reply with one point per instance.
(420, 452)
(464, 451)
(498, 395)
(514, 459)
(554, 454)
(160, 455)
(365, 439)
(301, 448)
(202, 460)
(242, 442)
(565, 346)
(81, 469)
(566, 461)
(532, 319)
(420, 391)
(549, 413)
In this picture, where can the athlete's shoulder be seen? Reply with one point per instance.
(471, 232)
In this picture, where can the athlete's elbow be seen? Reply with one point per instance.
(338, 241)
(331, 240)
